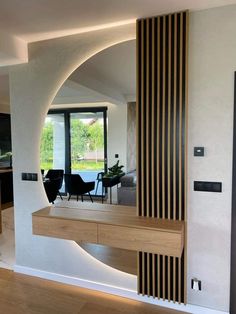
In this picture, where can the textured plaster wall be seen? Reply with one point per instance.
(33, 86)
(212, 62)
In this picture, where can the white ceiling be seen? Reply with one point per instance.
(108, 76)
(34, 20)
(110, 73)
(116, 65)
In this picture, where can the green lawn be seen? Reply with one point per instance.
(81, 165)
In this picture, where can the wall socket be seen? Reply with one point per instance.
(196, 284)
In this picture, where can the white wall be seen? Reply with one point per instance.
(117, 134)
(117, 139)
(212, 64)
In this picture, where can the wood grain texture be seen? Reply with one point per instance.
(121, 259)
(65, 229)
(22, 294)
(153, 119)
(141, 240)
(142, 129)
(138, 117)
(105, 227)
(162, 50)
(99, 216)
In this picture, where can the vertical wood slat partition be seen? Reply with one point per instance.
(162, 51)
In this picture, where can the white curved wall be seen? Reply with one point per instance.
(33, 86)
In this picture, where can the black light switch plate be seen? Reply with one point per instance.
(26, 176)
(205, 186)
(198, 151)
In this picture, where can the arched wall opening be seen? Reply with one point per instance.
(51, 63)
(107, 77)
(106, 80)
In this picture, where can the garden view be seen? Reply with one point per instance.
(87, 145)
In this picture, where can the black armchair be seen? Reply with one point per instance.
(51, 189)
(75, 185)
(56, 174)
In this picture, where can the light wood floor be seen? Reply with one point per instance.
(20, 294)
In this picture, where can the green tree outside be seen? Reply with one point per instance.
(96, 139)
(84, 138)
(79, 139)
(46, 146)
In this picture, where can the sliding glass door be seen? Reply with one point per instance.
(87, 145)
(52, 150)
(76, 141)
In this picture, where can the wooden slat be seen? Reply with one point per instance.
(158, 117)
(174, 279)
(147, 122)
(143, 273)
(148, 275)
(158, 276)
(142, 119)
(138, 101)
(153, 136)
(139, 271)
(174, 118)
(165, 110)
(169, 145)
(179, 281)
(169, 116)
(163, 115)
(180, 113)
(163, 278)
(154, 275)
(168, 276)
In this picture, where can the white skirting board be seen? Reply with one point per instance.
(131, 294)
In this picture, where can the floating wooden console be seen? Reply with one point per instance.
(116, 226)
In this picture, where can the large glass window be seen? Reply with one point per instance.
(76, 142)
(52, 150)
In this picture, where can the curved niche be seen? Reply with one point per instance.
(106, 80)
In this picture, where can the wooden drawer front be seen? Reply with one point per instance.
(65, 229)
(165, 243)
